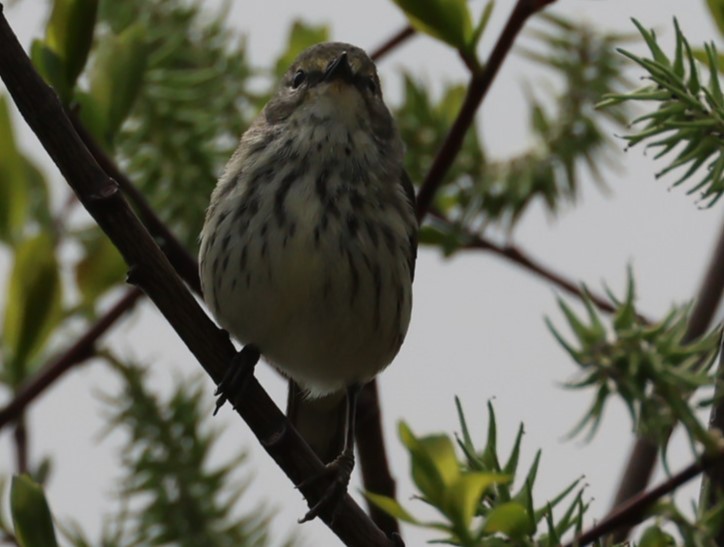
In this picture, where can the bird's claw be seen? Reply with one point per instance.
(237, 376)
(338, 473)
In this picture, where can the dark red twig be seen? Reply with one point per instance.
(634, 510)
(477, 89)
(183, 262)
(522, 259)
(20, 438)
(78, 352)
(642, 460)
(152, 271)
(395, 41)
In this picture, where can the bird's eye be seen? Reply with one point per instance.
(371, 85)
(298, 79)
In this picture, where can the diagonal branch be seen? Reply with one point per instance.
(392, 42)
(632, 512)
(152, 271)
(182, 261)
(641, 462)
(77, 353)
(477, 89)
(523, 259)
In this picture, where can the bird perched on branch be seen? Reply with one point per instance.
(308, 249)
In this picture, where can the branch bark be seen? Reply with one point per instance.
(393, 42)
(633, 511)
(82, 349)
(477, 89)
(152, 271)
(642, 460)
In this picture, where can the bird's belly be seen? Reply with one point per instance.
(325, 308)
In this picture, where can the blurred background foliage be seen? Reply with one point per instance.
(165, 87)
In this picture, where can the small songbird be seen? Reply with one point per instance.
(308, 249)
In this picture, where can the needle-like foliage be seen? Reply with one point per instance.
(654, 369)
(171, 493)
(687, 125)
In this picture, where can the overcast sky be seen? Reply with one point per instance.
(477, 329)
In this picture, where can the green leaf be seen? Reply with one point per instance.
(101, 268)
(656, 537)
(434, 464)
(392, 507)
(716, 7)
(446, 20)
(301, 36)
(511, 519)
(70, 33)
(50, 66)
(116, 79)
(31, 515)
(33, 306)
(462, 497)
(14, 198)
(482, 23)
(700, 54)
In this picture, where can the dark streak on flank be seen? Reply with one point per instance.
(352, 226)
(242, 259)
(331, 207)
(377, 276)
(320, 185)
(389, 237)
(399, 298)
(356, 200)
(281, 195)
(354, 276)
(372, 233)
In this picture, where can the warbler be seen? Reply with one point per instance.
(309, 243)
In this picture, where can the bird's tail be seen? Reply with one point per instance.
(320, 421)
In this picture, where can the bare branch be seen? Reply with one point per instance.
(392, 42)
(643, 455)
(83, 348)
(633, 511)
(477, 89)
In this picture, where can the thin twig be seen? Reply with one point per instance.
(523, 259)
(477, 89)
(393, 42)
(152, 271)
(82, 349)
(183, 262)
(642, 460)
(634, 510)
(20, 441)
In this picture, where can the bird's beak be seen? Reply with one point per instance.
(339, 68)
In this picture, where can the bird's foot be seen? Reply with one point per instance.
(237, 376)
(337, 472)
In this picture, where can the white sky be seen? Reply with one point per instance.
(477, 329)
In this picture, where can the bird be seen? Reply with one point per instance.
(308, 249)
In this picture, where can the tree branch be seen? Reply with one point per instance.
(182, 261)
(523, 259)
(633, 511)
(477, 89)
(152, 271)
(81, 350)
(392, 42)
(643, 455)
